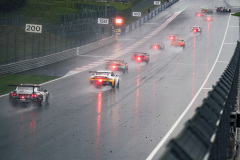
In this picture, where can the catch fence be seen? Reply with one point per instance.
(206, 136)
(17, 45)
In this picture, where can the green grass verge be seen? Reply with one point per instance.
(21, 78)
(236, 14)
(50, 9)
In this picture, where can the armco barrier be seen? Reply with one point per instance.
(207, 134)
(52, 58)
(131, 27)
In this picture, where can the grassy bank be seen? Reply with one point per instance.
(50, 9)
(236, 14)
(19, 79)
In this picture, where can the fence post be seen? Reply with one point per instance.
(56, 40)
(24, 45)
(61, 37)
(32, 44)
(49, 42)
(39, 34)
(15, 38)
(44, 42)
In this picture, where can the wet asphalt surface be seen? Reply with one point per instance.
(83, 122)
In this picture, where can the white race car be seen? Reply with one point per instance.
(102, 78)
(31, 93)
(196, 29)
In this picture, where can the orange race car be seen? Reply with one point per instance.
(178, 42)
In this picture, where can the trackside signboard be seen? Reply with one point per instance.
(157, 2)
(103, 21)
(137, 14)
(34, 28)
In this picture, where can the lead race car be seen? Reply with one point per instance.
(29, 93)
(116, 64)
(223, 9)
(157, 46)
(103, 78)
(196, 29)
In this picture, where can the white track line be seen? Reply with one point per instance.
(230, 43)
(222, 62)
(188, 107)
(208, 88)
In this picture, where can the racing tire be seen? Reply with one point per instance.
(113, 85)
(39, 103)
(118, 84)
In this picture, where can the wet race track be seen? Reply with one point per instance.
(83, 122)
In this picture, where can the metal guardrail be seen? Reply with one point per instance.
(152, 14)
(56, 57)
(207, 134)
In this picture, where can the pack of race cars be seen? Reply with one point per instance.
(34, 93)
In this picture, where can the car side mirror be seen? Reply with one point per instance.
(44, 90)
(116, 75)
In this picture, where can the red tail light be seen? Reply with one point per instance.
(139, 58)
(171, 37)
(100, 80)
(114, 66)
(22, 97)
(209, 19)
(34, 95)
(13, 94)
(194, 30)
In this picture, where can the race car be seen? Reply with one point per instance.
(140, 57)
(208, 18)
(157, 46)
(116, 65)
(104, 78)
(196, 29)
(198, 14)
(29, 93)
(172, 36)
(207, 10)
(223, 9)
(178, 42)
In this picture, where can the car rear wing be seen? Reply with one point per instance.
(96, 72)
(172, 35)
(14, 85)
(108, 60)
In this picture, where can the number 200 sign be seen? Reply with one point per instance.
(157, 2)
(33, 28)
(103, 21)
(137, 14)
